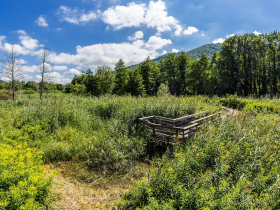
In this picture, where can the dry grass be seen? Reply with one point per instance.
(80, 188)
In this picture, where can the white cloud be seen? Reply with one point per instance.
(164, 52)
(75, 16)
(175, 51)
(27, 77)
(257, 33)
(59, 29)
(135, 15)
(73, 72)
(125, 16)
(190, 30)
(60, 68)
(229, 35)
(88, 17)
(27, 41)
(219, 40)
(156, 42)
(41, 21)
(1, 39)
(95, 55)
(179, 30)
(21, 32)
(30, 69)
(137, 35)
(19, 49)
(56, 78)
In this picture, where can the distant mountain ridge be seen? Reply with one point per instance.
(196, 53)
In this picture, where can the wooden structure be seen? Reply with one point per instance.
(163, 128)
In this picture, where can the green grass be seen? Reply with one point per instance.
(232, 162)
(105, 131)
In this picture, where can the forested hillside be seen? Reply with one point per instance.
(196, 53)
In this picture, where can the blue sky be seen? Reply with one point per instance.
(84, 34)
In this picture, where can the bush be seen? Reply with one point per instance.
(23, 182)
(6, 94)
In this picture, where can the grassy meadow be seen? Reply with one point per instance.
(233, 163)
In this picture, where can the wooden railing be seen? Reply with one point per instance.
(178, 128)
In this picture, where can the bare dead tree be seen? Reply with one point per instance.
(44, 69)
(12, 66)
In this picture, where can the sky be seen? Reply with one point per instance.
(84, 34)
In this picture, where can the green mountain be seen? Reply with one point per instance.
(196, 53)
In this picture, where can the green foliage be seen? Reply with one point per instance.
(135, 84)
(104, 131)
(23, 182)
(32, 85)
(233, 164)
(122, 78)
(6, 94)
(79, 89)
(163, 90)
(69, 88)
(106, 79)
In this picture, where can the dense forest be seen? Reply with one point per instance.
(246, 65)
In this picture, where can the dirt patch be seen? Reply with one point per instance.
(78, 188)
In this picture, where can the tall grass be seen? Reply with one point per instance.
(104, 132)
(233, 164)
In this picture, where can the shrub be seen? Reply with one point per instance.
(6, 94)
(23, 182)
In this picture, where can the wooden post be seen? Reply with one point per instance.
(154, 132)
(177, 134)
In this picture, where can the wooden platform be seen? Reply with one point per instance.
(172, 130)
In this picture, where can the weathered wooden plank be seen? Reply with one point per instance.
(187, 127)
(204, 118)
(190, 116)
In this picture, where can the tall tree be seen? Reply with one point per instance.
(135, 84)
(122, 78)
(183, 63)
(44, 69)
(12, 66)
(150, 75)
(106, 79)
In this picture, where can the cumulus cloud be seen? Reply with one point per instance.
(219, 40)
(125, 16)
(75, 16)
(137, 35)
(17, 48)
(154, 15)
(30, 69)
(175, 51)
(41, 21)
(60, 68)
(73, 72)
(190, 30)
(1, 40)
(229, 35)
(257, 33)
(179, 30)
(27, 41)
(156, 42)
(95, 55)
(164, 52)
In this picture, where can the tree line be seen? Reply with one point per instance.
(246, 65)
